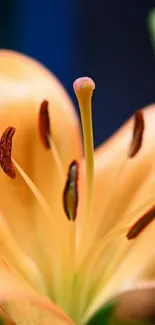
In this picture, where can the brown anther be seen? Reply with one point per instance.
(137, 134)
(141, 223)
(5, 152)
(70, 195)
(44, 124)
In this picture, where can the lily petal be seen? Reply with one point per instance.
(118, 178)
(130, 269)
(23, 305)
(24, 84)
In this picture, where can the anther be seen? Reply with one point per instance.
(46, 138)
(44, 124)
(5, 152)
(141, 224)
(137, 134)
(70, 195)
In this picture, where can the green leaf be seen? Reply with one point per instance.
(103, 315)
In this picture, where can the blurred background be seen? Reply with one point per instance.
(107, 40)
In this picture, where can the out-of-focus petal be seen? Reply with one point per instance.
(6, 320)
(135, 263)
(25, 306)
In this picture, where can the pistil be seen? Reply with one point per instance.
(83, 88)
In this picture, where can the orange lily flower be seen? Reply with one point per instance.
(73, 231)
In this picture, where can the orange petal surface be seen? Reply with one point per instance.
(123, 184)
(24, 84)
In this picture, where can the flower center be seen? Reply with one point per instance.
(83, 88)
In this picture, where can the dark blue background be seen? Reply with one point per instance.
(107, 40)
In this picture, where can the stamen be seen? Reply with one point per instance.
(44, 124)
(137, 134)
(5, 152)
(45, 135)
(70, 195)
(141, 224)
(37, 194)
(83, 88)
(7, 163)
